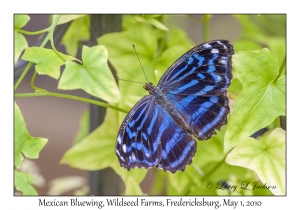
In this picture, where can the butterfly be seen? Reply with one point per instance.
(189, 102)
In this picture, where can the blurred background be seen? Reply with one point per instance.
(57, 119)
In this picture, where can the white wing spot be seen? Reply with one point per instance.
(214, 51)
(124, 148)
(133, 156)
(119, 140)
(147, 154)
(207, 45)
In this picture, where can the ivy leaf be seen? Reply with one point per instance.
(97, 150)
(168, 57)
(125, 62)
(84, 127)
(46, 60)
(266, 157)
(77, 31)
(137, 173)
(20, 21)
(66, 18)
(213, 146)
(262, 98)
(94, 76)
(23, 183)
(24, 143)
(179, 37)
(132, 187)
(179, 183)
(20, 41)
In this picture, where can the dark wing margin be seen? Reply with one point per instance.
(204, 70)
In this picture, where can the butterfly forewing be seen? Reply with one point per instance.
(204, 70)
(136, 146)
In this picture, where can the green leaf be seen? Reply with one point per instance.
(20, 41)
(246, 45)
(206, 148)
(179, 183)
(125, 62)
(151, 21)
(66, 18)
(47, 61)
(157, 24)
(137, 173)
(169, 56)
(97, 150)
(84, 127)
(23, 183)
(262, 98)
(77, 31)
(250, 29)
(24, 143)
(266, 157)
(94, 76)
(179, 37)
(20, 21)
(132, 187)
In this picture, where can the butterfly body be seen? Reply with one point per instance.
(162, 100)
(189, 103)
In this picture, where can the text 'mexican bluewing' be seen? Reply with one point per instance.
(190, 101)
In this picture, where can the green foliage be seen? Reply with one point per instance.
(25, 145)
(84, 128)
(266, 157)
(230, 163)
(262, 98)
(20, 41)
(23, 183)
(94, 76)
(46, 60)
(133, 187)
(77, 31)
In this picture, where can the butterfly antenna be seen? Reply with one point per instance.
(130, 81)
(140, 62)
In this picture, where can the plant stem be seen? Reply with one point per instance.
(281, 70)
(34, 87)
(77, 98)
(216, 166)
(51, 29)
(206, 27)
(33, 32)
(277, 122)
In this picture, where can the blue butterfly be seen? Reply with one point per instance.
(190, 101)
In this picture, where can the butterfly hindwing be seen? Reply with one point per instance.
(178, 147)
(203, 114)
